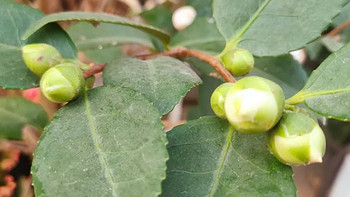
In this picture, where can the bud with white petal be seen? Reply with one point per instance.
(254, 105)
(297, 140)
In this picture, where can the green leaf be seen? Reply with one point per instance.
(271, 28)
(160, 17)
(327, 92)
(201, 66)
(338, 131)
(208, 158)
(96, 17)
(201, 7)
(331, 43)
(202, 34)
(15, 19)
(15, 113)
(102, 43)
(163, 80)
(343, 16)
(316, 51)
(109, 142)
(87, 37)
(283, 70)
(105, 55)
(205, 90)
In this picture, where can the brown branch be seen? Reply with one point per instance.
(340, 28)
(96, 68)
(182, 52)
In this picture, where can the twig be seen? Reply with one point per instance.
(182, 52)
(96, 68)
(340, 28)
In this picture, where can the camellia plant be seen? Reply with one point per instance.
(110, 141)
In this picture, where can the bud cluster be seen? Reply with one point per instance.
(256, 105)
(62, 80)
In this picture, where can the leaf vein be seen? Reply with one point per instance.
(97, 146)
(222, 160)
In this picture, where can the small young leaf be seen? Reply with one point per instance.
(327, 92)
(163, 80)
(96, 17)
(271, 28)
(15, 18)
(109, 142)
(15, 113)
(208, 158)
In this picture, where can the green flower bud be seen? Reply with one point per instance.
(40, 57)
(217, 100)
(297, 140)
(62, 83)
(238, 62)
(254, 105)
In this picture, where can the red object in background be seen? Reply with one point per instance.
(32, 94)
(8, 189)
(8, 162)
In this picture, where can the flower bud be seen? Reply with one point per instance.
(297, 140)
(238, 62)
(217, 100)
(40, 57)
(254, 105)
(62, 83)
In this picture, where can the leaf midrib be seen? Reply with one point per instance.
(100, 153)
(222, 159)
(233, 41)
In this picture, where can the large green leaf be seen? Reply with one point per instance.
(160, 17)
(327, 91)
(102, 43)
(273, 27)
(109, 142)
(105, 35)
(14, 20)
(202, 34)
(17, 112)
(283, 70)
(96, 17)
(205, 90)
(343, 16)
(105, 55)
(208, 158)
(163, 80)
(201, 7)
